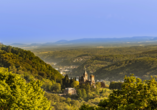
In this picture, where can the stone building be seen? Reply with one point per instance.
(103, 84)
(71, 91)
(84, 79)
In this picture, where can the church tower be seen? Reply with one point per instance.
(92, 79)
(85, 75)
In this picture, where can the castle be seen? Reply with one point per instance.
(84, 79)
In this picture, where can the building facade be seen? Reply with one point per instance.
(84, 79)
(71, 91)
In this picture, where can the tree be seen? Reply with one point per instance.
(15, 93)
(134, 94)
(88, 88)
(75, 84)
(84, 94)
(66, 82)
(98, 85)
(79, 92)
(87, 107)
(57, 87)
(115, 85)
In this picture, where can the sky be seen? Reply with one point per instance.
(41, 21)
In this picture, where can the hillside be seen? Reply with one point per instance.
(97, 62)
(141, 67)
(75, 61)
(21, 61)
(59, 54)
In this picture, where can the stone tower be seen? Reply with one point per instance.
(92, 79)
(85, 75)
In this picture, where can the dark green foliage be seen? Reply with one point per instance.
(79, 93)
(84, 93)
(139, 66)
(19, 61)
(88, 88)
(86, 107)
(115, 85)
(56, 87)
(66, 82)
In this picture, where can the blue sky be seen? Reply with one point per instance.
(39, 21)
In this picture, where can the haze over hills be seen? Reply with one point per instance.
(97, 58)
(93, 41)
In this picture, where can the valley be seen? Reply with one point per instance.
(102, 62)
(59, 69)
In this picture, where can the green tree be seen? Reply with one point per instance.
(134, 94)
(75, 84)
(88, 88)
(66, 82)
(15, 93)
(79, 93)
(57, 87)
(68, 100)
(87, 107)
(98, 85)
(84, 94)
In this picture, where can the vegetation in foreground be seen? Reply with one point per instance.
(16, 94)
(134, 95)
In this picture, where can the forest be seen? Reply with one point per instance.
(17, 70)
(21, 61)
(105, 62)
(27, 82)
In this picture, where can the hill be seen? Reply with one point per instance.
(75, 61)
(60, 54)
(100, 61)
(141, 67)
(21, 61)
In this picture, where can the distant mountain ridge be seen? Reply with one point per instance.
(87, 41)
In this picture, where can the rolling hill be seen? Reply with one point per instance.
(21, 61)
(96, 64)
(141, 67)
